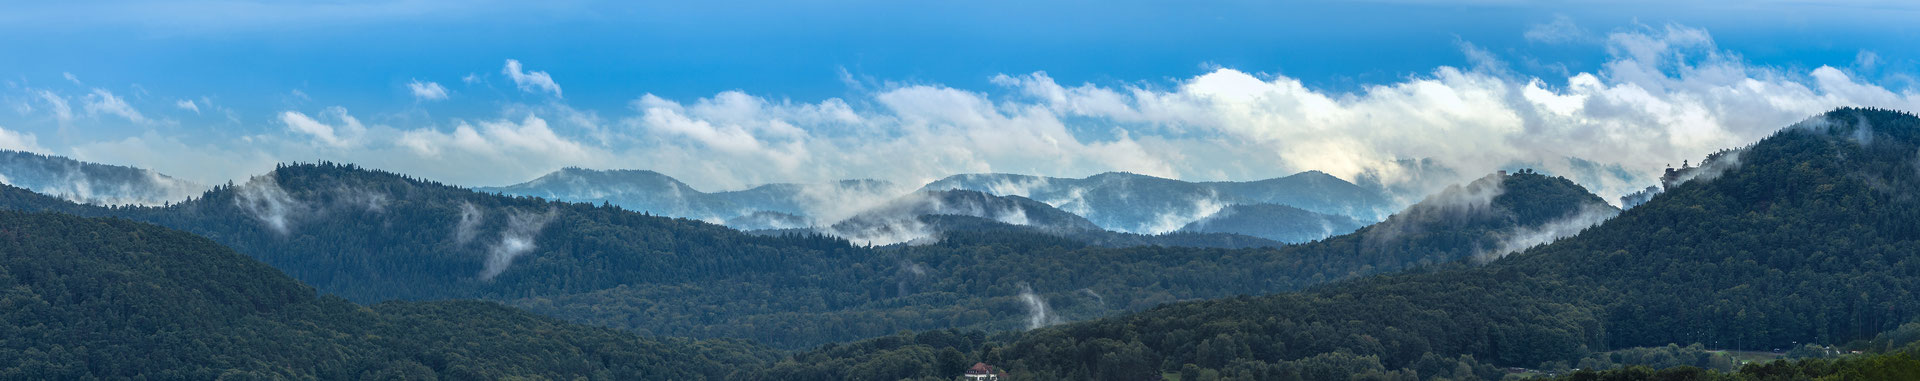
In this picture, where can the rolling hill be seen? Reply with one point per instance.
(91, 183)
(1803, 237)
(1276, 222)
(111, 298)
(1149, 205)
(373, 236)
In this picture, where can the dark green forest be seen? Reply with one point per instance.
(1805, 237)
(371, 236)
(110, 298)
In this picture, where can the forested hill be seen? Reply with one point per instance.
(1273, 221)
(91, 183)
(1806, 236)
(111, 298)
(371, 236)
(657, 193)
(1145, 204)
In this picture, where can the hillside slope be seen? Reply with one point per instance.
(112, 298)
(1272, 221)
(373, 236)
(1145, 204)
(91, 183)
(1805, 236)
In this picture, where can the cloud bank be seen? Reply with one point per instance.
(1662, 95)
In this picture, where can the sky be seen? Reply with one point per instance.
(727, 94)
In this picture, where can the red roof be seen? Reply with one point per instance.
(980, 368)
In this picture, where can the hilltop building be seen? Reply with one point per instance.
(983, 372)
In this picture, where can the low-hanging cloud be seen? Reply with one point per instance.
(262, 198)
(1523, 238)
(470, 218)
(1038, 314)
(516, 239)
(1663, 94)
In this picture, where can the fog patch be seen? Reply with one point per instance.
(909, 271)
(1172, 220)
(1326, 229)
(262, 198)
(899, 221)
(909, 230)
(839, 201)
(73, 183)
(516, 239)
(1038, 315)
(1523, 238)
(1455, 203)
(1101, 301)
(470, 218)
(767, 220)
(372, 201)
(1636, 198)
(1715, 165)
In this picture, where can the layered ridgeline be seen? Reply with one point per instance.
(1118, 202)
(926, 216)
(91, 183)
(771, 206)
(372, 236)
(1481, 220)
(1151, 205)
(1272, 221)
(111, 298)
(978, 277)
(1806, 236)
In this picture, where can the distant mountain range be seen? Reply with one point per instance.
(110, 298)
(1148, 205)
(1805, 237)
(656, 193)
(1322, 205)
(91, 183)
(372, 236)
(1272, 221)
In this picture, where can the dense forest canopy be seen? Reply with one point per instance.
(1804, 237)
(110, 298)
(371, 236)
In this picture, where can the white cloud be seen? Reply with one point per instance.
(471, 78)
(1665, 94)
(71, 78)
(512, 151)
(57, 105)
(205, 163)
(427, 91)
(19, 141)
(102, 101)
(1866, 60)
(345, 134)
(187, 104)
(1559, 31)
(530, 81)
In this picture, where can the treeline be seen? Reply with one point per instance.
(372, 236)
(108, 298)
(1803, 237)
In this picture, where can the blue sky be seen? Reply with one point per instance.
(730, 93)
